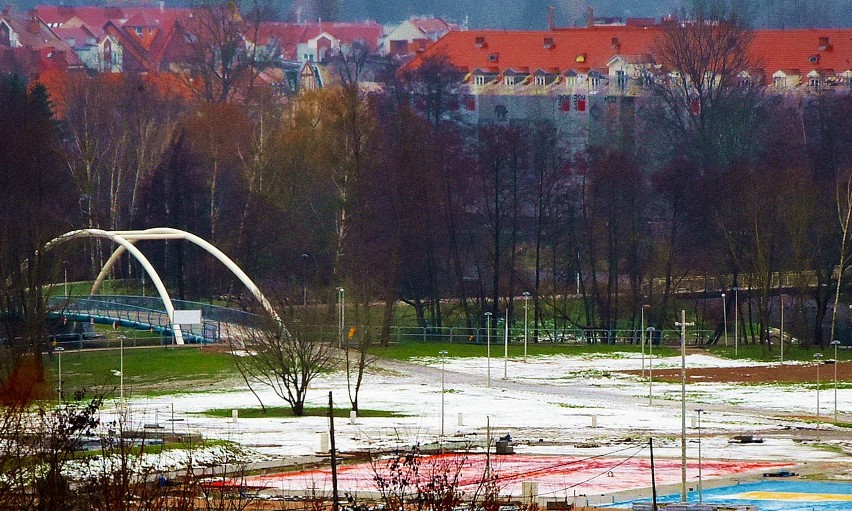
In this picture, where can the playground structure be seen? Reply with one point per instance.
(126, 241)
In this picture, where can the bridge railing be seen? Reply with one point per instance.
(132, 315)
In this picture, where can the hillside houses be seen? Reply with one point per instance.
(156, 39)
(588, 80)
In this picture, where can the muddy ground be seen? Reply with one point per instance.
(787, 373)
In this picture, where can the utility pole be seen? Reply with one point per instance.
(683, 324)
(653, 478)
(334, 503)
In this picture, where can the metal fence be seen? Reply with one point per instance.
(466, 335)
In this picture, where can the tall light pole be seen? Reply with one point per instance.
(65, 272)
(683, 324)
(650, 366)
(526, 302)
(443, 354)
(781, 299)
(506, 347)
(736, 319)
(304, 279)
(642, 335)
(121, 367)
(488, 346)
(700, 485)
(341, 312)
(59, 350)
(835, 343)
(818, 358)
(725, 318)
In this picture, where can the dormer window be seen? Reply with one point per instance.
(541, 80)
(780, 81)
(814, 81)
(621, 79)
(509, 80)
(479, 80)
(138, 31)
(595, 80)
(548, 43)
(480, 42)
(824, 43)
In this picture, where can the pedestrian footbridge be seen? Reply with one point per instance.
(155, 314)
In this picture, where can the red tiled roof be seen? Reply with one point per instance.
(431, 26)
(290, 35)
(593, 47)
(34, 35)
(791, 49)
(515, 49)
(98, 16)
(80, 35)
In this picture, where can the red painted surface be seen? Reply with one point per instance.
(556, 475)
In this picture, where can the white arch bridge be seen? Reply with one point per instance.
(126, 241)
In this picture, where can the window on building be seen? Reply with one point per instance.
(570, 81)
(595, 82)
(815, 82)
(780, 81)
(479, 80)
(540, 80)
(621, 79)
(509, 80)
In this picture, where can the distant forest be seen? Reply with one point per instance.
(532, 14)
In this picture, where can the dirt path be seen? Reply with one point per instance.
(787, 373)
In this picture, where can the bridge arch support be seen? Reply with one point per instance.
(126, 241)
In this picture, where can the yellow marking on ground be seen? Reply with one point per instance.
(794, 496)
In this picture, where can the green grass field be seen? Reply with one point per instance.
(155, 370)
(405, 351)
(168, 370)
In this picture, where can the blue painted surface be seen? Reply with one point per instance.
(733, 495)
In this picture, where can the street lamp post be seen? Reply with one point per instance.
(443, 354)
(700, 485)
(781, 299)
(835, 343)
(650, 366)
(818, 358)
(725, 318)
(304, 279)
(642, 335)
(341, 311)
(121, 367)
(736, 319)
(683, 324)
(526, 302)
(59, 350)
(65, 273)
(506, 347)
(488, 346)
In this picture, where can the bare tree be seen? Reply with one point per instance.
(217, 52)
(707, 84)
(284, 360)
(406, 479)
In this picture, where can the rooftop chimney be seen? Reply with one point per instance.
(550, 23)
